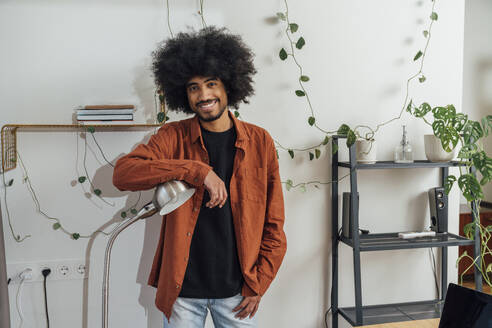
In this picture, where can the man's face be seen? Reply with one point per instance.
(207, 97)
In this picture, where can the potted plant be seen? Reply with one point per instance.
(451, 129)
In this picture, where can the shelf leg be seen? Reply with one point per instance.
(444, 272)
(444, 250)
(354, 212)
(334, 236)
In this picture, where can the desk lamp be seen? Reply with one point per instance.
(167, 197)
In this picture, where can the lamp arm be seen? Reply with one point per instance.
(148, 210)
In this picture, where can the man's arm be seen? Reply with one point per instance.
(274, 243)
(151, 164)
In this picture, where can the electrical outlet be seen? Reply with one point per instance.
(60, 270)
(63, 270)
(80, 270)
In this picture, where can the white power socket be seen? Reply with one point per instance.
(60, 270)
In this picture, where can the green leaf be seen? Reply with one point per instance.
(97, 192)
(281, 16)
(422, 110)
(123, 214)
(441, 113)
(82, 179)
(311, 120)
(351, 137)
(317, 152)
(91, 129)
(303, 188)
(293, 27)
(422, 79)
(470, 187)
(326, 140)
(300, 43)
(75, 236)
(426, 33)
(291, 153)
(343, 130)
(133, 211)
(304, 78)
(418, 55)
(469, 230)
(483, 163)
(472, 132)
(236, 113)
(459, 121)
(288, 184)
(311, 156)
(467, 151)
(160, 117)
(409, 106)
(10, 183)
(56, 226)
(433, 16)
(283, 54)
(487, 124)
(276, 151)
(300, 93)
(334, 148)
(448, 184)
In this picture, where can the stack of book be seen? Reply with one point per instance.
(105, 114)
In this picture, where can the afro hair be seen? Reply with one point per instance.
(208, 52)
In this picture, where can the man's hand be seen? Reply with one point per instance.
(216, 189)
(249, 306)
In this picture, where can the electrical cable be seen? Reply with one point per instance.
(18, 302)
(433, 259)
(45, 273)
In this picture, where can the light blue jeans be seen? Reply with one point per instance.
(191, 313)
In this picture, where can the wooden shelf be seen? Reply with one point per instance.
(9, 136)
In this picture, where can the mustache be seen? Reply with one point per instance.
(206, 101)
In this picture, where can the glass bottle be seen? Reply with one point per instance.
(403, 152)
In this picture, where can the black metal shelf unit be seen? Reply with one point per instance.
(363, 315)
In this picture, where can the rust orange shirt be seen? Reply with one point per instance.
(177, 152)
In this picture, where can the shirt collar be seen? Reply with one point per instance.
(241, 133)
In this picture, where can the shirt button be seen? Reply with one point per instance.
(188, 234)
(195, 209)
(177, 286)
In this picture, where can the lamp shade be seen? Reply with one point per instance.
(171, 195)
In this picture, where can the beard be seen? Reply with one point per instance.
(214, 117)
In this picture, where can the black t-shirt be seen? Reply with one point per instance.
(213, 269)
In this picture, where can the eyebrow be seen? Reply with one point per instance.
(207, 80)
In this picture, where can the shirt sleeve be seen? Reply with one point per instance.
(152, 163)
(274, 242)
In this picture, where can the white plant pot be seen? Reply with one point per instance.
(365, 151)
(434, 151)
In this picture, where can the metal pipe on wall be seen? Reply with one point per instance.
(4, 292)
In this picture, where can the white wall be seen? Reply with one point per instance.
(477, 67)
(60, 54)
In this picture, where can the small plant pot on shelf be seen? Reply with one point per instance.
(365, 151)
(434, 151)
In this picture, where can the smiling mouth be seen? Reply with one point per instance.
(208, 105)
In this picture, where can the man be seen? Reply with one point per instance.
(220, 250)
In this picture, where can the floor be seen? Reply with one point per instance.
(470, 284)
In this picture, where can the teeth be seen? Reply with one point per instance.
(208, 105)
